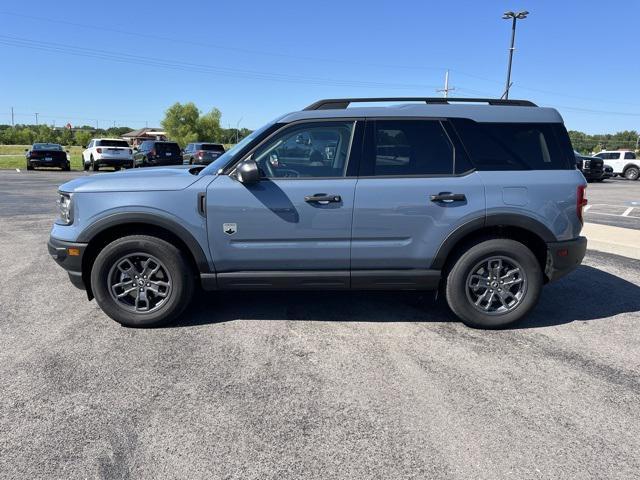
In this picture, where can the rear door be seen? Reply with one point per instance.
(415, 188)
(297, 219)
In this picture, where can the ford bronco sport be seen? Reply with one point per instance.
(479, 199)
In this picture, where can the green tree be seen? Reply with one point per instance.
(181, 122)
(83, 137)
(208, 127)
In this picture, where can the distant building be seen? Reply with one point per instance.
(136, 137)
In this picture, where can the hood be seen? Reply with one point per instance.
(134, 180)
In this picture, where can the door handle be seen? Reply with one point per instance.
(448, 197)
(322, 198)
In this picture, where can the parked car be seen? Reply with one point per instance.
(107, 152)
(201, 153)
(439, 195)
(624, 162)
(152, 153)
(591, 167)
(47, 155)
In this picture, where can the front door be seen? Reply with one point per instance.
(296, 220)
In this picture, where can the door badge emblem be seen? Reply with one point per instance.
(229, 228)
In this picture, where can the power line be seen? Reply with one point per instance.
(185, 41)
(192, 67)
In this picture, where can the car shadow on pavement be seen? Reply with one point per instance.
(586, 294)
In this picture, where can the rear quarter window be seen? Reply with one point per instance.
(516, 146)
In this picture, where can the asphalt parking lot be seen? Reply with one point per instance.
(614, 202)
(310, 385)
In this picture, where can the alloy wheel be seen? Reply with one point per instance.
(139, 283)
(496, 285)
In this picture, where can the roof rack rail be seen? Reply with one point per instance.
(343, 103)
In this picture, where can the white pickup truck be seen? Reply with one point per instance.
(623, 162)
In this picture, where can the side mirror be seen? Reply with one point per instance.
(26, 149)
(248, 172)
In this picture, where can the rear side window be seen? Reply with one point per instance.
(516, 146)
(406, 148)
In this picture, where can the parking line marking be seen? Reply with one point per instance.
(627, 212)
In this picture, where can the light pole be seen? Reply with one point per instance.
(238, 130)
(515, 17)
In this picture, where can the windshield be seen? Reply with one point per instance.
(46, 146)
(229, 155)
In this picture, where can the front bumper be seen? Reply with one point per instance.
(69, 256)
(564, 257)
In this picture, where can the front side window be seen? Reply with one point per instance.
(629, 156)
(308, 150)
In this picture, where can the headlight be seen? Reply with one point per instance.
(65, 208)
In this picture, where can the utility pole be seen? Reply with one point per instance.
(446, 88)
(12, 122)
(515, 17)
(36, 118)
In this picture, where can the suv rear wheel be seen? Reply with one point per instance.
(494, 283)
(632, 173)
(142, 281)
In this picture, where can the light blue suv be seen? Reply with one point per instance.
(477, 198)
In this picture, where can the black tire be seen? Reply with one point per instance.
(181, 276)
(116, 169)
(85, 165)
(94, 166)
(632, 173)
(29, 166)
(66, 168)
(458, 293)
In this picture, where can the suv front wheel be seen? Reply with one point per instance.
(142, 281)
(494, 283)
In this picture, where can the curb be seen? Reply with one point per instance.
(614, 240)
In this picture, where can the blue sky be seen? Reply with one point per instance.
(126, 62)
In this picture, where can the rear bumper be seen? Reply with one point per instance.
(113, 162)
(69, 256)
(564, 257)
(52, 163)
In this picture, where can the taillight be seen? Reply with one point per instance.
(152, 152)
(99, 150)
(200, 154)
(130, 152)
(581, 201)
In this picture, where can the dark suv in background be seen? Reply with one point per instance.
(591, 167)
(152, 153)
(201, 153)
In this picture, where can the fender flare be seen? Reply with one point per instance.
(124, 218)
(493, 220)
